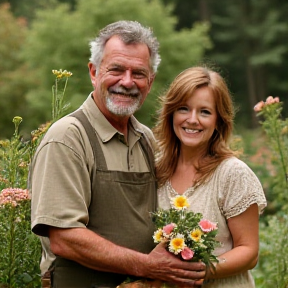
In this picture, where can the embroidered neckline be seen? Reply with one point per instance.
(172, 192)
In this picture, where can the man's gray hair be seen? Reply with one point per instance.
(129, 32)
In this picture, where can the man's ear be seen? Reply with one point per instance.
(92, 73)
(151, 80)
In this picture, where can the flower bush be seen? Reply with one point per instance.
(272, 268)
(20, 250)
(276, 130)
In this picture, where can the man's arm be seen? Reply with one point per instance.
(91, 250)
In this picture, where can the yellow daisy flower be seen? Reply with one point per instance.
(158, 236)
(177, 244)
(196, 235)
(180, 202)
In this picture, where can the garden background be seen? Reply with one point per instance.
(245, 40)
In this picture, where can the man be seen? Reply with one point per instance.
(93, 181)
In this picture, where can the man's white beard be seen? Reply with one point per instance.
(123, 110)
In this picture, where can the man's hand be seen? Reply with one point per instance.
(167, 267)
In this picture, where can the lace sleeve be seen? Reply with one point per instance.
(240, 188)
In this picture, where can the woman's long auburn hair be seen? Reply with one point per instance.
(180, 90)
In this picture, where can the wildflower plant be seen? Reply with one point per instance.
(14, 158)
(186, 233)
(20, 249)
(272, 268)
(58, 92)
(276, 130)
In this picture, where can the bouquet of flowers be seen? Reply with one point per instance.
(186, 233)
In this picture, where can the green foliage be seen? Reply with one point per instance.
(272, 268)
(249, 42)
(59, 37)
(14, 159)
(14, 79)
(276, 130)
(20, 249)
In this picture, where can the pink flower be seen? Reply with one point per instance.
(187, 253)
(259, 106)
(270, 100)
(13, 196)
(169, 228)
(207, 226)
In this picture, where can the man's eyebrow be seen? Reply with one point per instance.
(120, 66)
(116, 65)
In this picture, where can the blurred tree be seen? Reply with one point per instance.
(59, 38)
(251, 35)
(14, 77)
(249, 40)
(27, 8)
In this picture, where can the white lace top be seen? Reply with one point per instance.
(227, 193)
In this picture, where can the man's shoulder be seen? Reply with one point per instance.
(63, 127)
(67, 131)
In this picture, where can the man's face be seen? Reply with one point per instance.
(124, 78)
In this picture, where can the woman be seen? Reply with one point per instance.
(194, 126)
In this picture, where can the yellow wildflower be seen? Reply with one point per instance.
(177, 244)
(180, 202)
(158, 236)
(196, 235)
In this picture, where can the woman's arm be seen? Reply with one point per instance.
(244, 229)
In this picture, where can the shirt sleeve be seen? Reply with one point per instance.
(60, 185)
(240, 189)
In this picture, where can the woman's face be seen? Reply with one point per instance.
(195, 121)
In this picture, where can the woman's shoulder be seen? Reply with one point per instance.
(233, 164)
(235, 170)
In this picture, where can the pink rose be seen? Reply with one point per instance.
(187, 253)
(207, 226)
(276, 100)
(169, 228)
(271, 100)
(259, 106)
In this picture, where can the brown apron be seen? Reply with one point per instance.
(119, 211)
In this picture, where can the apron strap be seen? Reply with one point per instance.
(97, 151)
(148, 153)
(93, 139)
